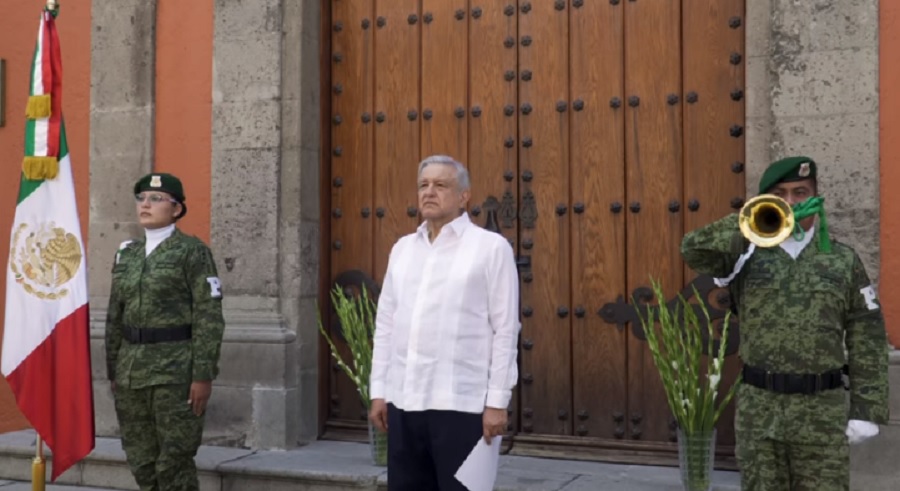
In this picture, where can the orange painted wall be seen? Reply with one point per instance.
(889, 142)
(184, 55)
(18, 33)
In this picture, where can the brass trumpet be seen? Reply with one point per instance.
(766, 220)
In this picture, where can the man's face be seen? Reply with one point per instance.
(439, 195)
(156, 209)
(796, 192)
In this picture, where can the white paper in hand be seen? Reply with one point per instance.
(479, 471)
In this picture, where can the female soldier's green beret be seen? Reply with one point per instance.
(166, 183)
(160, 182)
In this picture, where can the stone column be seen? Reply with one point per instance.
(264, 226)
(812, 89)
(299, 237)
(122, 106)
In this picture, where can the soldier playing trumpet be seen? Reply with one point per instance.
(806, 308)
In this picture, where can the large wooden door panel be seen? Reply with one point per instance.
(713, 128)
(653, 182)
(598, 230)
(397, 137)
(546, 378)
(493, 128)
(351, 191)
(444, 78)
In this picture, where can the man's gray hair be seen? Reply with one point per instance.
(462, 174)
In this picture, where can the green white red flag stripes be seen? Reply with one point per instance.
(46, 338)
(44, 105)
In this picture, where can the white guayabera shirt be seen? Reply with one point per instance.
(447, 324)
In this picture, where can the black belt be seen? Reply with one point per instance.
(792, 383)
(150, 335)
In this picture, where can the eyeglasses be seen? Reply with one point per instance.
(155, 199)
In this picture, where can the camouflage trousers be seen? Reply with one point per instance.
(160, 435)
(769, 465)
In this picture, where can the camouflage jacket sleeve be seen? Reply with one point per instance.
(867, 350)
(714, 249)
(208, 325)
(113, 328)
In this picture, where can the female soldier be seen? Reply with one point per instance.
(163, 336)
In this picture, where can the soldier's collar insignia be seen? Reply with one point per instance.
(804, 170)
(155, 182)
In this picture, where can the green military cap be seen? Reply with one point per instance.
(162, 182)
(787, 170)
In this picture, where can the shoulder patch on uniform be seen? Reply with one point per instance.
(870, 297)
(215, 287)
(122, 246)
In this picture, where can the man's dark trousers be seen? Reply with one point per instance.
(426, 448)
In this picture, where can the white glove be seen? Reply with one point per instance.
(860, 431)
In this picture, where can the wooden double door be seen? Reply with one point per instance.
(596, 132)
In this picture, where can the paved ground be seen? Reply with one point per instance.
(340, 466)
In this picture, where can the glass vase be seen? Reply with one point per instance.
(696, 457)
(378, 445)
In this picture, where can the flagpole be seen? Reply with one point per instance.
(38, 467)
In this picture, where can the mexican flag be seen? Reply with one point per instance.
(46, 338)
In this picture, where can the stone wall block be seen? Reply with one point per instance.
(248, 69)
(246, 364)
(246, 125)
(245, 235)
(274, 424)
(758, 93)
(826, 82)
(237, 19)
(227, 416)
(757, 26)
(309, 259)
(123, 37)
(310, 182)
(758, 152)
(822, 25)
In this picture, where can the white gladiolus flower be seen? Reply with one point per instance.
(714, 381)
(685, 403)
(675, 365)
(717, 365)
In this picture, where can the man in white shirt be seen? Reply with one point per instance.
(446, 338)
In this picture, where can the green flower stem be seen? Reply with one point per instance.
(357, 318)
(691, 379)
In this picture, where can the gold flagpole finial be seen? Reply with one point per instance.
(52, 5)
(38, 467)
